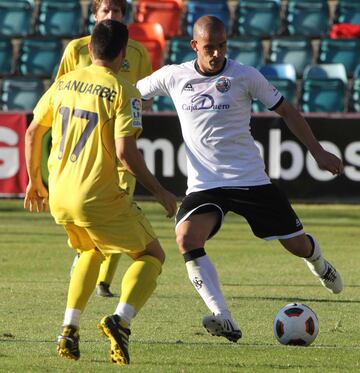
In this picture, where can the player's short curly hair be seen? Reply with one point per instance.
(121, 3)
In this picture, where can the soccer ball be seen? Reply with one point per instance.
(296, 324)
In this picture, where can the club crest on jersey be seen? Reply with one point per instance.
(223, 84)
(136, 112)
(126, 65)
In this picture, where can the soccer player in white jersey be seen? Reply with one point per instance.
(212, 96)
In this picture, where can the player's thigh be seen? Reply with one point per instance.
(78, 238)
(127, 232)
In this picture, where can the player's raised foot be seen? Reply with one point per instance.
(330, 279)
(111, 327)
(68, 343)
(222, 327)
(103, 290)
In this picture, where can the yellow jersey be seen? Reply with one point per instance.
(87, 109)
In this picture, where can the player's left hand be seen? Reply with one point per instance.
(36, 197)
(330, 162)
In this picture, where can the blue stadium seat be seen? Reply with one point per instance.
(294, 50)
(326, 71)
(21, 93)
(39, 56)
(355, 91)
(307, 17)
(163, 103)
(345, 51)
(197, 8)
(58, 18)
(281, 76)
(6, 56)
(16, 17)
(348, 12)
(245, 50)
(179, 50)
(257, 17)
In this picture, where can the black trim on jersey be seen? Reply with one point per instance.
(194, 254)
(197, 68)
(277, 104)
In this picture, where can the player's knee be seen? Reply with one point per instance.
(186, 242)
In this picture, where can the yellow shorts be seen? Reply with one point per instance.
(126, 233)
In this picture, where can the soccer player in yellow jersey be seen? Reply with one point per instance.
(136, 66)
(95, 117)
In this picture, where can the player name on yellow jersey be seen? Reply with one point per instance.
(88, 88)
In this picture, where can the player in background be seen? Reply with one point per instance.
(136, 66)
(95, 116)
(212, 96)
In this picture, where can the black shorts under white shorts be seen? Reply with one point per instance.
(265, 207)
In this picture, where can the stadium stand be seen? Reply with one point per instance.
(246, 50)
(6, 56)
(355, 91)
(20, 93)
(39, 56)
(345, 51)
(307, 17)
(324, 88)
(151, 35)
(257, 17)
(297, 51)
(60, 18)
(163, 103)
(348, 11)
(16, 17)
(198, 8)
(166, 12)
(179, 50)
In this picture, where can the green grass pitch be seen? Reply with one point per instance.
(257, 278)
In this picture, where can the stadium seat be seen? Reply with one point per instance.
(257, 17)
(326, 71)
(307, 17)
(16, 17)
(323, 95)
(151, 35)
(294, 50)
(6, 56)
(166, 12)
(179, 50)
(60, 18)
(39, 56)
(197, 8)
(345, 51)
(163, 103)
(90, 20)
(245, 50)
(281, 76)
(354, 103)
(347, 12)
(21, 93)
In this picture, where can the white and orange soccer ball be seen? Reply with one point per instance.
(296, 324)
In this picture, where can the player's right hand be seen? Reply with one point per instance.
(168, 200)
(36, 198)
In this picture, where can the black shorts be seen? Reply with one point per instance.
(265, 207)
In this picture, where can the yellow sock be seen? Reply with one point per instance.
(108, 269)
(139, 281)
(83, 279)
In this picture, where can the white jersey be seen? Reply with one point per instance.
(214, 113)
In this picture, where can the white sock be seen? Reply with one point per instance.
(125, 311)
(316, 259)
(72, 317)
(203, 276)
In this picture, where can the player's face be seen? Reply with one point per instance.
(211, 50)
(108, 10)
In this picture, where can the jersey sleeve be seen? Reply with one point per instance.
(67, 62)
(263, 90)
(43, 111)
(128, 121)
(157, 84)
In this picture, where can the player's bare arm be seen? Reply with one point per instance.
(132, 159)
(298, 125)
(36, 195)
